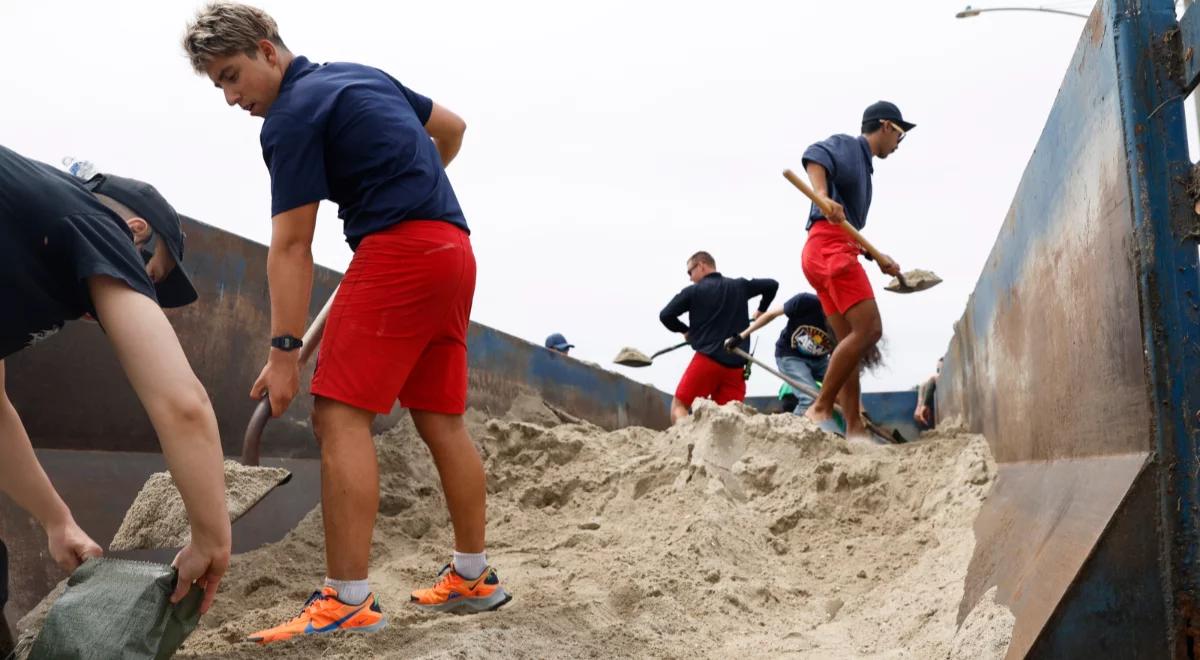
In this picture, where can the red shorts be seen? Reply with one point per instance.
(830, 262)
(707, 378)
(398, 326)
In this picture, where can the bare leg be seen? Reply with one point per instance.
(857, 330)
(349, 486)
(461, 472)
(678, 410)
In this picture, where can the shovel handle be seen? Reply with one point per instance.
(871, 426)
(669, 349)
(846, 226)
(252, 442)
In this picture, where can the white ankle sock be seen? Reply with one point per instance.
(470, 565)
(350, 592)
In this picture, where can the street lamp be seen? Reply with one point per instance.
(970, 11)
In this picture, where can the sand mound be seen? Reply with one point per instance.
(731, 534)
(157, 518)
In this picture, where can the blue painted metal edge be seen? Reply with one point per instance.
(1156, 144)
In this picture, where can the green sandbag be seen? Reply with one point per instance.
(115, 608)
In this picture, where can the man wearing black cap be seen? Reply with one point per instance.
(111, 249)
(840, 169)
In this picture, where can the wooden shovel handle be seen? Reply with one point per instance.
(849, 229)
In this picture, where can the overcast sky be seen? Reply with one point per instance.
(606, 141)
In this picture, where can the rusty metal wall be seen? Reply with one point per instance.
(1076, 357)
(72, 394)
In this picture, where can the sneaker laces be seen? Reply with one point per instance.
(310, 604)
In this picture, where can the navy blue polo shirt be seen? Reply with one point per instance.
(802, 310)
(848, 170)
(354, 135)
(716, 309)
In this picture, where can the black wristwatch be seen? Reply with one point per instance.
(286, 343)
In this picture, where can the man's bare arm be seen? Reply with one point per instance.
(446, 129)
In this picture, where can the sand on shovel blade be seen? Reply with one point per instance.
(632, 357)
(157, 519)
(917, 280)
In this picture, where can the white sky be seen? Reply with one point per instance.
(606, 141)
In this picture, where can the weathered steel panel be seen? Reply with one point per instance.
(1077, 356)
(72, 394)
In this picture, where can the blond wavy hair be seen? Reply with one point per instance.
(221, 29)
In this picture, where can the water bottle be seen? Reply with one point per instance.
(84, 169)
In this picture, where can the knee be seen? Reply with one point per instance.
(872, 332)
(322, 422)
(189, 405)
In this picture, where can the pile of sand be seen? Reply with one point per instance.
(732, 534)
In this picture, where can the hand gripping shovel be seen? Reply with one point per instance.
(632, 357)
(913, 280)
(884, 437)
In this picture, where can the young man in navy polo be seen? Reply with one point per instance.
(840, 169)
(111, 249)
(716, 309)
(398, 326)
(803, 348)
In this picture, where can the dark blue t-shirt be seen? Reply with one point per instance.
(354, 135)
(54, 234)
(798, 339)
(848, 170)
(716, 309)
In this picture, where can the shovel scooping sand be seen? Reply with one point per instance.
(913, 280)
(632, 357)
(157, 519)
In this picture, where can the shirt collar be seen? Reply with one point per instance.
(298, 65)
(866, 147)
(712, 274)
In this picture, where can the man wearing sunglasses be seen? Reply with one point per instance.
(840, 169)
(716, 309)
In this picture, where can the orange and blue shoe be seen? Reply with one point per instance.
(324, 613)
(453, 593)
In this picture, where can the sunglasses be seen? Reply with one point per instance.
(896, 127)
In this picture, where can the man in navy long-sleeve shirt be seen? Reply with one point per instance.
(716, 309)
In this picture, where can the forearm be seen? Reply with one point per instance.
(289, 277)
(21, 476)
(762, 320)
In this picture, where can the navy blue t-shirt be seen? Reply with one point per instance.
(354, 135)
(803, 312)
(848, 170)
(54, 234)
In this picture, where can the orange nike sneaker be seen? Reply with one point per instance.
(453, 593)
(324, 613)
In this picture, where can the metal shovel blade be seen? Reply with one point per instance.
(913, 280)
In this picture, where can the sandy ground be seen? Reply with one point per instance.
(733, 534)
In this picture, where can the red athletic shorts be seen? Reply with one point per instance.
(830, 262)
(707, 378)
(398, 326)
